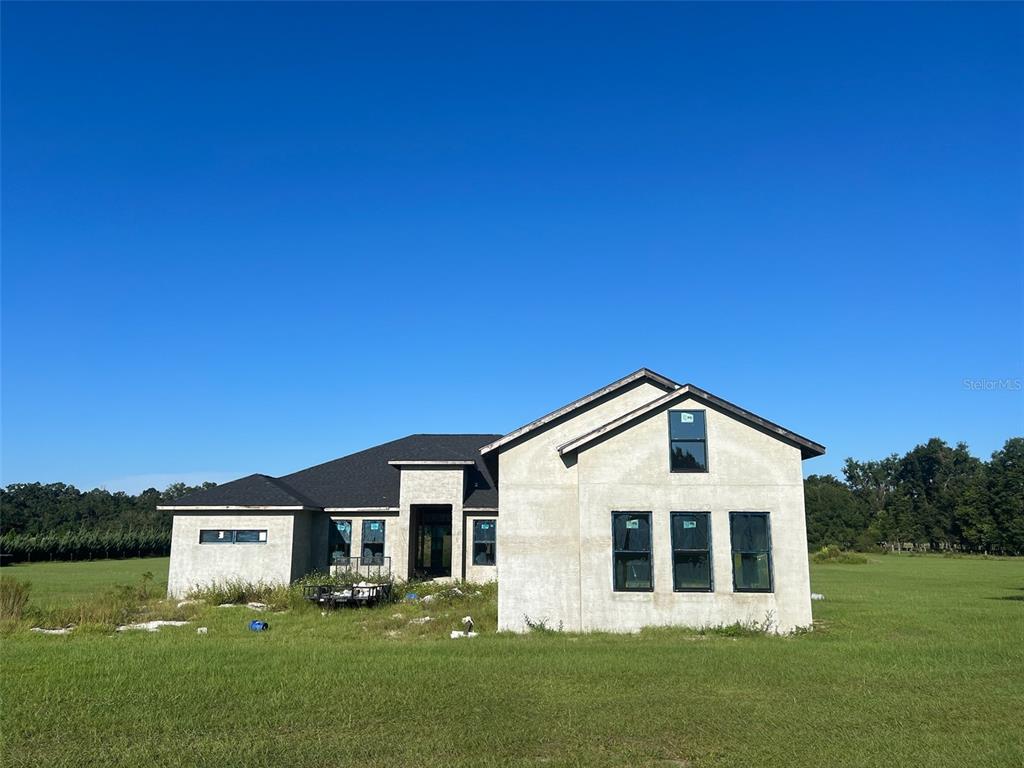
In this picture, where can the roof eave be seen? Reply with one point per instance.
(808, 448)
(643, 373)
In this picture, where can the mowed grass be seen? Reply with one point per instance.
(914, 660)
(56, 584)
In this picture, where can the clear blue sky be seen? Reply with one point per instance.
(250, 238)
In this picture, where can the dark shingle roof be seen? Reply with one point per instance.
(256, 490)
(363, 479)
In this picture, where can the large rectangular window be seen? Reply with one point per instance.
(373, 542)
(484, 542)
(688, 443)
(691, 551)
(631, 551)
(340, 542)
(232, 537)
(751, 552)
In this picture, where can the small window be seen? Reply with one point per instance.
(688, 444)
(484, 542)
(751, 552)
(340, 541)
(216, 537)
(631, 551)
(373, 542)
(233, 537)
(691, 551)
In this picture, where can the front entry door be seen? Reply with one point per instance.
(433, 543)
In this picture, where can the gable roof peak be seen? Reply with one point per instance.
(662, 382)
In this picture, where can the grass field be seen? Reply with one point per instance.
(914, 660)
(56, 584)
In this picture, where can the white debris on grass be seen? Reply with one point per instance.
(183, 603)
(456, 634)
(151, 626)
(45, 631)
(427, 599)
(257, 606)
(202, 631)
(228, 605)
(397, 616)
(421, 620)
(817, 596)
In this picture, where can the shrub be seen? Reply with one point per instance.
(833, 554)
(13, 597)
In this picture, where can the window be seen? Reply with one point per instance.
(688, 444)
(339, 544)
(484, 542)
(373, 542)
(232, 537)
(631, 551)
(751, 552)
(691, 551)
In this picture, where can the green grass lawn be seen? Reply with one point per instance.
(56, 583)
(914, 661)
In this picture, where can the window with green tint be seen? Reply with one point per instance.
(250, 537)
(485, 542)
(631, 551)
(691, 551)
(688, 444)
(373, 542)
(751, 551)
(340, 541)
(233, 537)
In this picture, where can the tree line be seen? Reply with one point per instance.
(56, 521)
(935, 496)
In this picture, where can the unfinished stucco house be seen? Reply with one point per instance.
(646, 502)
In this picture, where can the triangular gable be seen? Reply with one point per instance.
(808, 448)
(643, 374)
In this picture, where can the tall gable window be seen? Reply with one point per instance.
(340, 544)
(373, 542)
(751, 552)
(688, 443)
(631, 551)
(691, 551)
(484, 542)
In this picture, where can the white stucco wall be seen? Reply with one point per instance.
(539, 530)
(554, 541)
(748, 471)
(194, 564)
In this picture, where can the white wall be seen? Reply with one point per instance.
(748, 472)
(194, 564)
(539, 530)
(554, 540)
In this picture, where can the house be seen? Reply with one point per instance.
(646, 502)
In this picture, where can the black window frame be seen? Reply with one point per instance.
(649, 551)
(482, 545)
(703, 441)
(733, 552)
(375, 558)
(331, 543)
(708, 551)
(233, 535)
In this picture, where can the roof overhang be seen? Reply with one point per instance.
(644, 373)
(808, 448)
(445, 463)
(233, 508)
